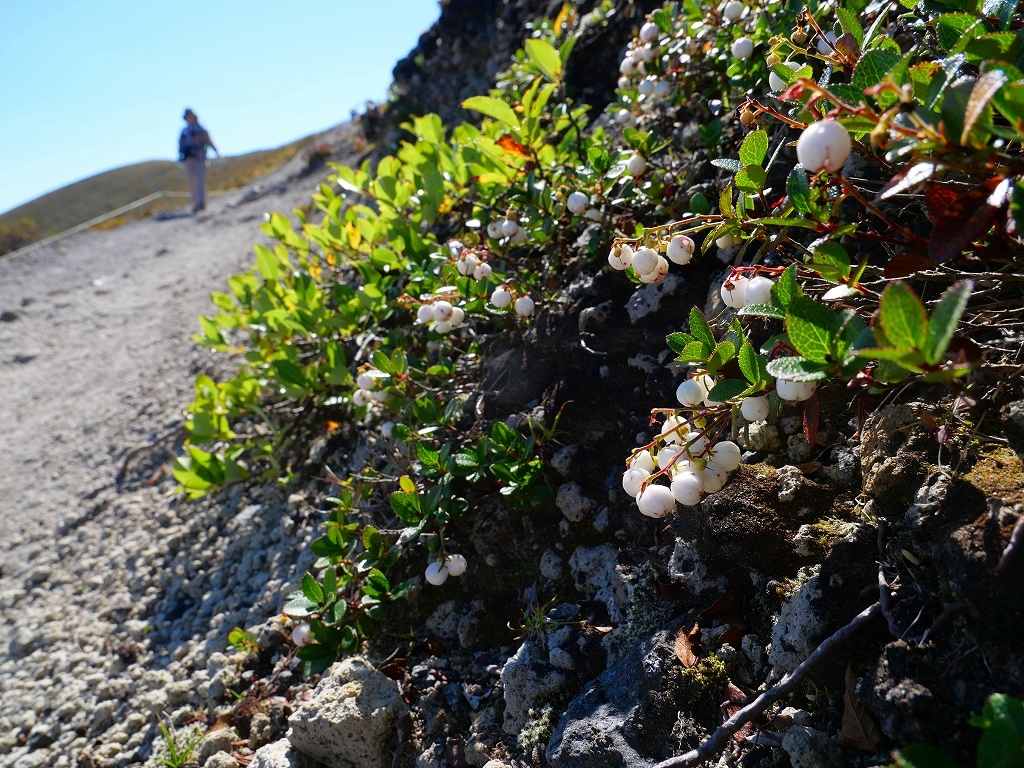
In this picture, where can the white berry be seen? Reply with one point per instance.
(696, 442)
(726, 454)
(656, 501)
(494, 230)
(733, 291)
(662, 89)
(691, 392)
(627, 67)
(687, 488)
(458, 316)
(680, 249)
(524, 306)
(667, 456)
(823, 146)
(659, 271)
(728, 241)
(714, 476)
(442, 311)
(361, 398)
(425, 313)
(758, 291)
(646, 87)
(827, 44)
(302, 634)
(436, 573)
(620, 257)
(482, 271)
(643, 460)
(456, 565)
(632, 479)
(733, 10)
(443, 326)
(754, 408)
(365, 381)
(648, 32)
(625, 118)
(795, 391)
(742, 48)
(501, 298)
(636, 165)
(509, 228)
(577, 202)
(645, 261)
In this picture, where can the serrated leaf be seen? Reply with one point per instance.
(406, 506)
(754, 148)
(873, 68)
(785, 288)
(902, 317)
(727, 390)
(981, 94)
(495, 108)
(944, 320)
(722, 354)
(906, 179)
(799, 189)
(1000, 9)
(694, 352)
(311, 589)
(762, 310)
(797, 369)
(700, 329)
(747, 360)
(971, 215)
(378, 581)
(750, 179)
(677, 341)
(299, 606)
(809, 325)
(832, 256)
(849, 22)
(1002, 742)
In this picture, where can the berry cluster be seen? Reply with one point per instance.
(501, 297)
(647, 263)
(366, 388)
(508, 230)
(443, 314)
(438, 571)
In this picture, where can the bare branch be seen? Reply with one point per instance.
(717, 740)
(1016, 539)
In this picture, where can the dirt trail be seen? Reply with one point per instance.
(96, 356)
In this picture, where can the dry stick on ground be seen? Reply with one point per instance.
(884, 595)
(119, 477)
(1016, 539)
(717, 740)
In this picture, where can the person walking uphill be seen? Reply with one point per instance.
(192, 146)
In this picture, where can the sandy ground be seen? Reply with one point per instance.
(96, 354)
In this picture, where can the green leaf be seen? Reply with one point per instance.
(1002, 743)
(299, 606)
(944, 320)
(873, 68)
(751, 364)
(378, 581)
(694, 352)
(330, 584)
(754, 148)
(849, 22)
(492, 107)
(700, 329)
(723, 353)
(786, 288)
(829, 259)
(763, 310)
(797, 369)
(809, 325)
(406, 506)
(677, 341)
(955, 30)
(923, 756)
(727, 390)
(546, 57)
(1000, 9)
(751, 179)
(311, 589)
(799, 190)
(338, 611)
(977, 103)
(902, 317)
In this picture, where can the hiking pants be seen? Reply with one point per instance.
(195, 170)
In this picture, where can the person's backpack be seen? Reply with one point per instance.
(190, 143)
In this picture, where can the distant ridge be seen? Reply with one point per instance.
(86, 199)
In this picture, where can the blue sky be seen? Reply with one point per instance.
(90, 86)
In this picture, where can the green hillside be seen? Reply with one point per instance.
(107, 191)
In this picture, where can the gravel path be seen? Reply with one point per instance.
(110, 597)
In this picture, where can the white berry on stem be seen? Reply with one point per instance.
(633, 478)
(501, 298)
(795, 391)
(727, 455)
(754, 408)
(687, 488)
(456, 565)
(691, 392)
(742, 48)
(524, 306)
(645, 261)
(758, 291)
(648, 32)
(823, 146)
(680, 249)
(655, 501)
(775, 82)
(636, 165)
(577, 202)
(733, 291)
(302, 634)
(436, 573)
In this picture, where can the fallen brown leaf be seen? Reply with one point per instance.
(859, 730)
(809, 467)
(732, 702)
(684, 646)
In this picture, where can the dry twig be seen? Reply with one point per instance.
(717, 740)
(1016, 539)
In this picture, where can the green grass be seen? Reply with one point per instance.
(84, 200)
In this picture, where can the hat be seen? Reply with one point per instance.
(187, 113)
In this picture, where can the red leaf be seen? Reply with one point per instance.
(809, 467)
(733, 637)
(732, 702)
(812, 418)
(970, 217)
(723, 606)
(906, 264)
(512, 146)
(938, 199)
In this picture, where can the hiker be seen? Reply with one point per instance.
(192, 146)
